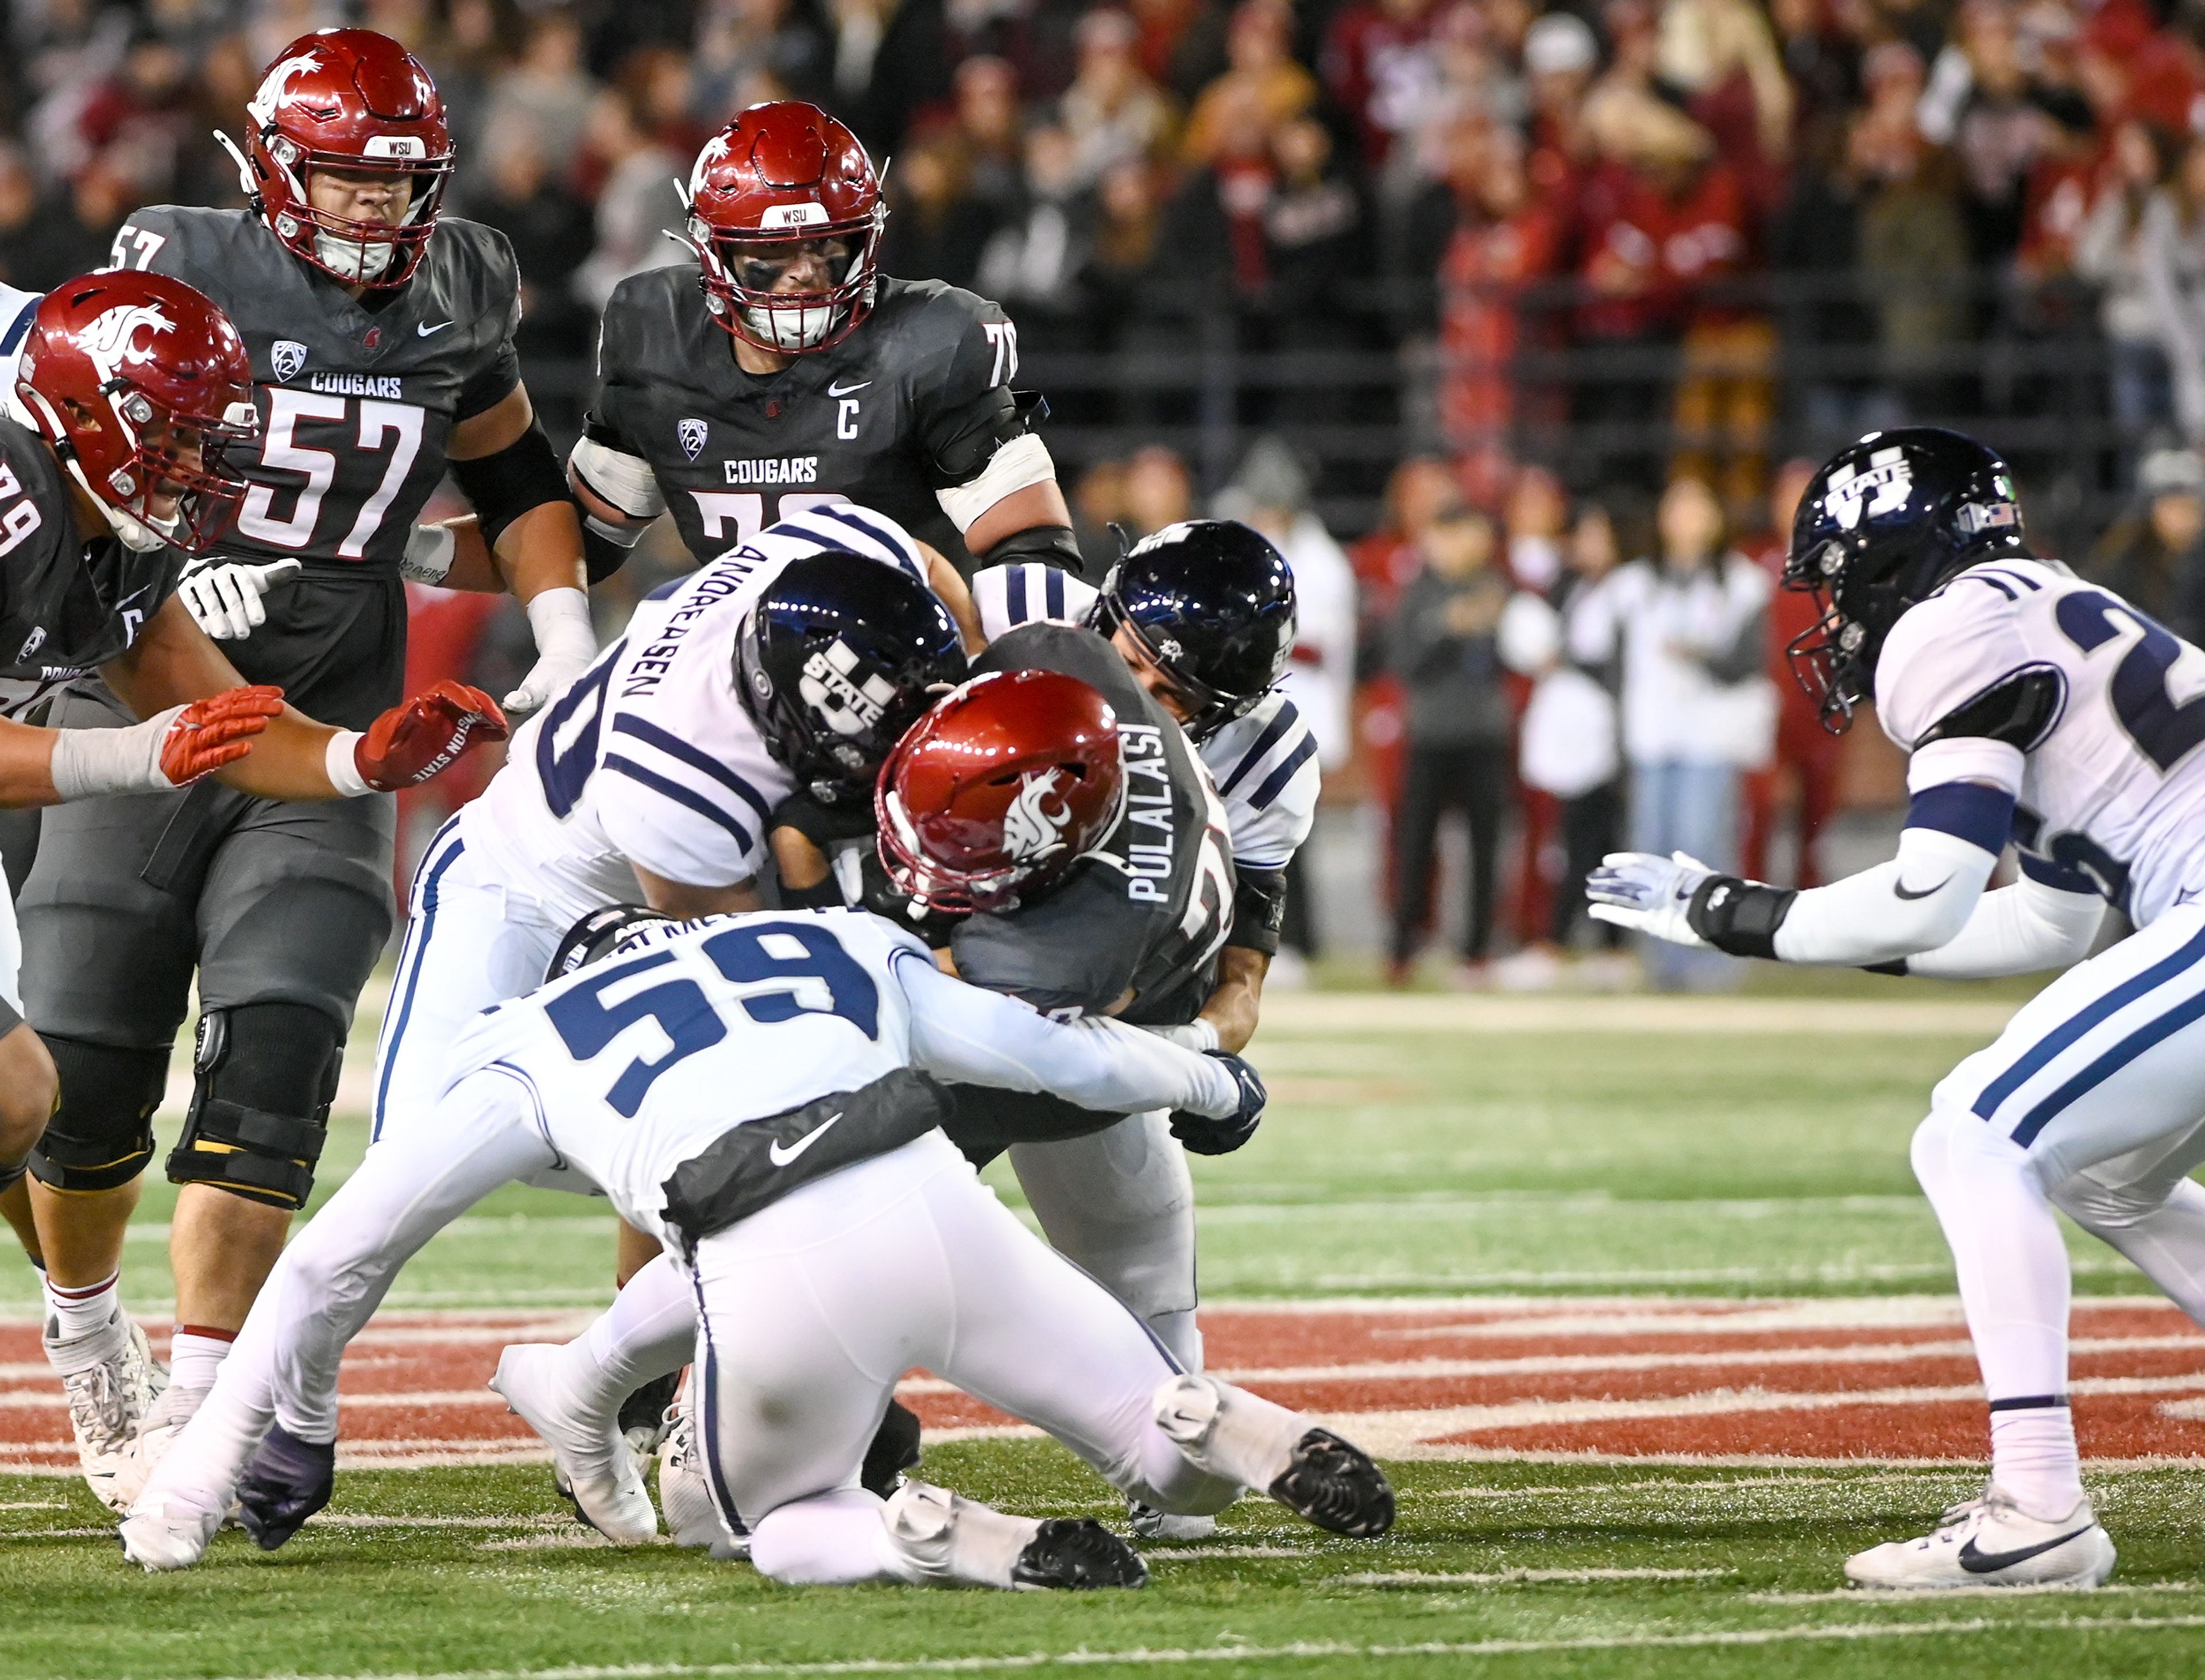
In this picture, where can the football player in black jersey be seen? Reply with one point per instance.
(381, 340)
(131, 391)
(786, 370)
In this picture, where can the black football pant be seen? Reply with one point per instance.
(1592, 826)
(1473, 779)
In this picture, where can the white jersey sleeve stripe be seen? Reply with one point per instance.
(689, 798)
(859, 533)
(1275, 783)
(12, 341)
(1288, 720)
(697, 759)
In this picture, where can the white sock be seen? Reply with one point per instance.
(74, 1313)
(649, 1331)
(1181, 1336)
(2032, 1457)
(195, 1357)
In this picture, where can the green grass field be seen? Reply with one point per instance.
(1432, 1147)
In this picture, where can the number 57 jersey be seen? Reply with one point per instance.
(2112, 786)
(357, 400)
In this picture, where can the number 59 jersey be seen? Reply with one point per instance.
(636, 1063)
(2112, 792)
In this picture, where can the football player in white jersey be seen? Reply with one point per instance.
(2038, 708)
(759, 1092)
(795, 659)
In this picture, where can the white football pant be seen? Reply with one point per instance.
(2092, 1100)
(812, 1308)
(470, 943)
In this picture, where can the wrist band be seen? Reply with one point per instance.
(342, 766)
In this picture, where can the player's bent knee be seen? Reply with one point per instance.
(265, 1074)
(101, 1135)
(28, 1089)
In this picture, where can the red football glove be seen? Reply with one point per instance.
(429, 733)
(212, 733)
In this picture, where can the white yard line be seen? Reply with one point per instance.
(1526, 1577)
(1314, 1651)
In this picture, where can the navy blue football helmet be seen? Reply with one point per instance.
(1212, 603)
(1887, 522)
(838, 657)
(598, 935)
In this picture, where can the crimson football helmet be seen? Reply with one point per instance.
(999, 790)
(781, 177)
(353, 100)
(141, 384)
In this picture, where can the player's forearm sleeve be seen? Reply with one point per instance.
(961, 1032)
(1918, 902)
(2023, 928)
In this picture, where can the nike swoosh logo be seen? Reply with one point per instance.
(845, 391)
(781, 1155)
(424, 328)
(1988, 1563)
(1899, 890)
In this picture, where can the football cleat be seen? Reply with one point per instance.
(113, 1388)
(894, 1449)
(171, 1533)
(165, 1420)
(1077, 1554)
(1991, 1542)
(593, 1467)
(693, 1518)
(1150, 1524)
(1334, 1484)
(645, 1414)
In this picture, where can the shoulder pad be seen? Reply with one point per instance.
(2018, 709)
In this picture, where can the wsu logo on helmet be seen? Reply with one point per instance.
(111, 340)
(1033, 823)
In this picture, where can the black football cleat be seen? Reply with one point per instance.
(1077, 1554)
(1334, 1484)
(643, 1413)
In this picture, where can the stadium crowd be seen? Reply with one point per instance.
(1641, 248)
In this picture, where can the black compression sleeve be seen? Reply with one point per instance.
(523, 475)
(601, 555)
(1051, 544)
(1259, 909)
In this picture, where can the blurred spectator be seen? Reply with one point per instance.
(1271, 492)
(1156, 492)
(936, 229)
(1262, 77)
(987, 131)
(1443, 645)
(41, 244)
(1385, 562)
(753, 50)
(1722, 55)
(2156, 557)
(551, 230)
(2110, 250)
(2173, 253)
(1033, 263)
(1691, 626)
(1811, 755)
(1378, 68)
(1114, 113)
(548, 88)
(1560, 58)
(1508, 241)
(143, 112)
(636, 206)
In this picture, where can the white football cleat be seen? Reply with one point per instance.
(111, 1379)
(693, 1519)
(595, 1468)
(170, 1533)
(1991, 1542)
(165, 1420)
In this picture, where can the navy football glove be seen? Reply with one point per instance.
(1206, 1136)
(288, 1482)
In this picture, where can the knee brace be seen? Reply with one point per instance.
(265, 1074)
(101, 1136)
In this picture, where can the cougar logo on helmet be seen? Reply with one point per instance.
(111, 339)
(275, 86)
(1880, 489)
(849, 707)
(1033, 826)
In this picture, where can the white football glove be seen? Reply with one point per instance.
(224, 601)
(566, 643)
(1647, 894)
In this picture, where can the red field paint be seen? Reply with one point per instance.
(1861, 1380)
